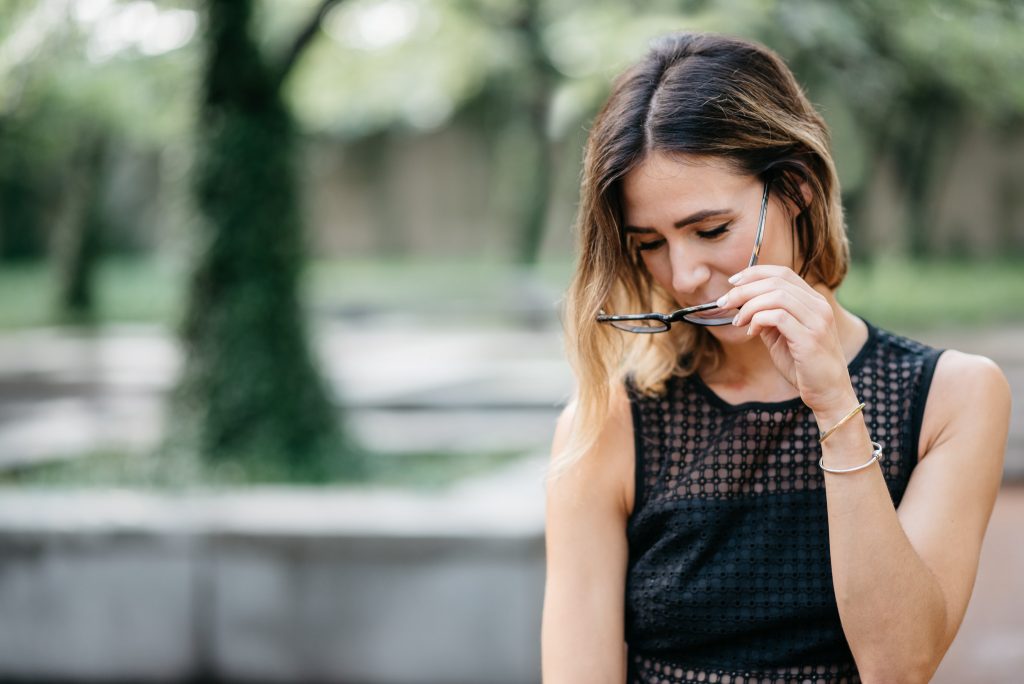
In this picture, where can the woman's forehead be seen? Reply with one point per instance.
(664, 184)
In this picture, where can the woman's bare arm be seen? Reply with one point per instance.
(903, 577)
(582, 637)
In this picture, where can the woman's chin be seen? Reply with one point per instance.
(729, 332)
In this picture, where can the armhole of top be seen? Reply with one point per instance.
(927, 372)
(638, 459)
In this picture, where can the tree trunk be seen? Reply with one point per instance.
(540, 79)
(22, 218)
(250, 384)
(76, 242)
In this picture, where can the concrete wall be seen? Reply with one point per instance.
(281, 585)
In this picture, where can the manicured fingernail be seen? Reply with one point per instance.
(722, 300)
(736, 319)
(736, 278)
(749, 329)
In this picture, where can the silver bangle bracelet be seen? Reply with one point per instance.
(876, 455)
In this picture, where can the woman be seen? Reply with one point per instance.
(721, 506)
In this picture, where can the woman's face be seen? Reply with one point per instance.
(694, 221)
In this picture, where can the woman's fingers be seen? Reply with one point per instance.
(779, 319)
(752, 273)
(777, 299)
(810, 309)
(757, 295)
(756, 281)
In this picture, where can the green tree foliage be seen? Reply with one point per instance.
(78, 83)
(900, 82)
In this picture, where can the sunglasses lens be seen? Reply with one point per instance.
(697, 320)
(642, 326)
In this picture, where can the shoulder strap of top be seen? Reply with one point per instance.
(931, 358)
(638, 451)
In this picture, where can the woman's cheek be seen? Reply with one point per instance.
(659, 268)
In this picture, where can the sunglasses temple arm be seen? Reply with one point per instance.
(760, 228)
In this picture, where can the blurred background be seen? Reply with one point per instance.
(280, 354)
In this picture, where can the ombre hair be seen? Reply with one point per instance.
(703, 95)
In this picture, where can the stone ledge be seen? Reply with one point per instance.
(279, 584)
(326, 513)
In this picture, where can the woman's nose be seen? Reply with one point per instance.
(688, 273)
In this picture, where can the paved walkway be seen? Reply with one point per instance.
(63, 394)
(989, 649)
(468, 390)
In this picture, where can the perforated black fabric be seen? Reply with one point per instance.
(729, 576)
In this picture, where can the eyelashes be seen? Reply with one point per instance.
(703, 234)
(714, 232)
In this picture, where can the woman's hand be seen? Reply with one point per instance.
(797, 325)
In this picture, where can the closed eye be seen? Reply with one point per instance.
(714, 232)
(703, 234)
(653, 244)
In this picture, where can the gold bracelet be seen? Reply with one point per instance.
(838, 425)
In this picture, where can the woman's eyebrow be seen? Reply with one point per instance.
(692, 218)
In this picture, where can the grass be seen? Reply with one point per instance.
(127, 291)
(897, 293)
(152, 291)
(919, 295)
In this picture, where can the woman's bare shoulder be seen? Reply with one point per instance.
(963, 387)
(608, 466)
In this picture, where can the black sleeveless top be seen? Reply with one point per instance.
(729, 577)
